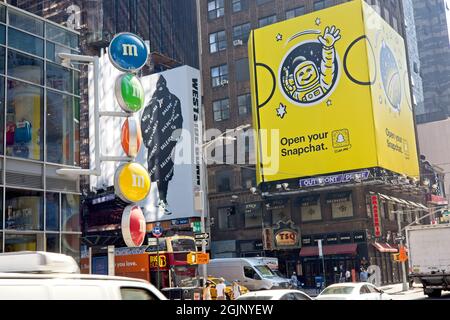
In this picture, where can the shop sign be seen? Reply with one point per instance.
(128, 52)
(306, 241)
(276, 204)
(129, 92)
(178, 222)
(332, 239)
(132, 182)
(286, 235)
(133, 226)
(252, 208)
(345, 238)
(131, 137)
(376, 215)
(286, 238)
(437, 200)
(154, 261)
(359, 236)
(334, 179)
(259, 245)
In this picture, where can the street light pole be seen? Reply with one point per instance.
(405, 280)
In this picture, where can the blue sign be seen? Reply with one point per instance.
(157, 231)
(128, 52)
(335, 179)
(178, 222)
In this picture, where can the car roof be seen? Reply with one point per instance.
(273, 293)
(69, 276)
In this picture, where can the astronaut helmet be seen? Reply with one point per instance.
(306, 74)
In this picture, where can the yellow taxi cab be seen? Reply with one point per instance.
(228, 288)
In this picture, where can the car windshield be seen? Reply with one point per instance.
(255, 297)
(338, 290)
(183, 245)
(265, 271)
(185, 277)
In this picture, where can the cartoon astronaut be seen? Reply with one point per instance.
(306, 83)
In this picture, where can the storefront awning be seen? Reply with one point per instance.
(384, 247)
(329, 250)
(385, 197)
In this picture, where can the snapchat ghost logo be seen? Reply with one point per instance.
(310, 70)
(341, 139)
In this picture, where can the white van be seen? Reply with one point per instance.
(251, 272)
(50, 276)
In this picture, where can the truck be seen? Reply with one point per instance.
(429, 257)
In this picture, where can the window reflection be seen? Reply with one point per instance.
(70, 212)
(52, 213)
(59, 78)
(62, 128)
(62, 36)
(26, 22)
(24, 210)
(25, 42)
(52, 242)
(24, 121)
(25, 67)
(24, 242)
(71, 246)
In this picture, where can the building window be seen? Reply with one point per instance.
(25, 42)
(239, 5)
(248, 178)
(241, 32)
(52, 213)
(259, 2)
(24, 210)
(221, 109)
(223, 181)
(341, 204)
(329, 3)
(25, 67)
(63, 128)
(242, 70)
(24, 242)
(310, 209)
(70, 213)
(318, 5)
(70, 245)
(219, 75)
(295, 12)
(217, 41)
(267, 21)
(253, 218)
(52, 242)
(245, 104)
(227, 218)
(216, 9)
(25, 118)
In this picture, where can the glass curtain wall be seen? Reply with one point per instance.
(39, 126)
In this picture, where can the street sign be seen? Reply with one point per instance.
(198, 243)
(201, 236)
(129, 92)
(197, 258)
(196, 226)
(133, 226)
(131, 137)
(157, 231)
(132, 182)
(128, 52)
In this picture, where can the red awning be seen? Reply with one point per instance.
(384, 247)
(329, 250)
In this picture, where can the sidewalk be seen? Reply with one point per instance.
(396, 289)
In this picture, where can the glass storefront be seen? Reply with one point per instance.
(39, 133)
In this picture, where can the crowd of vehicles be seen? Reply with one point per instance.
(429, 257)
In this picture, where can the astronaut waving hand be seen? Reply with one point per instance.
(306, 83)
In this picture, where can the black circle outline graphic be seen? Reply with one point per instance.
(370, 83)
(274, 83)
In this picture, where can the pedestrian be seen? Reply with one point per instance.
(348, 276)
(363, 276)
(341, 274)
(236, 289)
(207, 292)
(294, 280)
(220, 288)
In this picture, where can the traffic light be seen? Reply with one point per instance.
(396, 257)
(402, 256)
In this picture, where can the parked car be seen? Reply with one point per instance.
(280, 294)
(251, 272)
(228, 289)
(51, 276)
(353, 291)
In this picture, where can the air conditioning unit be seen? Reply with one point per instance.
(238, 42)
(223, 82)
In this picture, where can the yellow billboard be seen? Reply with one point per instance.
(330, 93)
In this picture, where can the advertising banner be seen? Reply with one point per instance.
(171, 151)
(331, 94)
